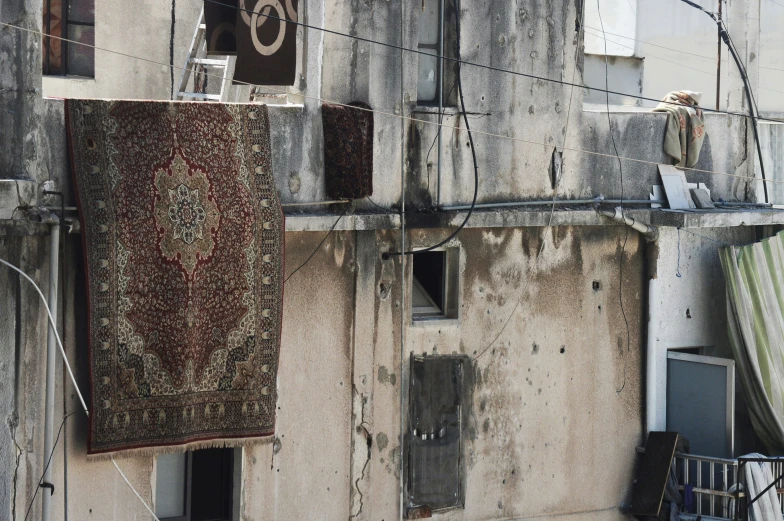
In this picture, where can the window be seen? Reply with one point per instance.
(434, 287)
(72, 20)
(430, 37)
(197, 485)
(433, 438)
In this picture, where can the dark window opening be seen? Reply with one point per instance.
(69, 20)
(429, 277)
(433, 462)
(195, 486)
(429, 43)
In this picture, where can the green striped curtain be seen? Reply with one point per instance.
(754, 275)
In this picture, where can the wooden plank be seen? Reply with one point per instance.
(648, 492)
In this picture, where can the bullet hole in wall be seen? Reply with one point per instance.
(688, 313)
(597, 285)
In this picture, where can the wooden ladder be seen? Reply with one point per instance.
(217, 67)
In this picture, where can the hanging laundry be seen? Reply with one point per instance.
(685, 128)
(183, 235)
(220, 19)
(348, 150)
(266, 42)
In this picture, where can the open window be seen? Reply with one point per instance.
(434, 435)
(198, 485)
(434, 284)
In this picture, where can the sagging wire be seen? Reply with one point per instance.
(580, 32)
(626, 228)
(458, 60)
(425, 122)
(317, 247)
(387, 255)
(48, 462)
(53, 325)
(725, 36)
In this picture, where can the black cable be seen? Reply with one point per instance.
(440, 129)
(751, 99)
(473, 156)
(171, 46)
(317, 247)
(48, 462)
(378, 205)
(725, 36)
(479, 65)
(626, 228)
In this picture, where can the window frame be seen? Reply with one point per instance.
(436, 47)
(450, 288)
(65, 22)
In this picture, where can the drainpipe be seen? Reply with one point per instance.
(440, 95)
(651, 234)
(652, 421)
(51, 347)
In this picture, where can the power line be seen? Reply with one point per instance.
(53, 326)
(317, 247)
(463, 62)
(473, 157)
(426, 122)
(644, 42)
(48, 462)
(626, 228)
(657, 57)
(555, 196)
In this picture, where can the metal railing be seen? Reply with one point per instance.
(714, 483)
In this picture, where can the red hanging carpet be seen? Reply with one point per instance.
(183, 235)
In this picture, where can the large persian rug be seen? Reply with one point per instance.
(183, 236)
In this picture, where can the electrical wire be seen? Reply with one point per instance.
(626, 228)
(683, 65)
(386, 255)
(48, 462)
(426, 122)
(555, 195)
(317, 247)
(644, 42)
(53, 325)
(456, 60)
(725, 35)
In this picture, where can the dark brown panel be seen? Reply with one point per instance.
(266, 42)
(652, 476)
(221, 21)
(348, 150)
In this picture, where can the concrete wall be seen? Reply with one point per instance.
(139, 29)
(691, 311)
(550, 432)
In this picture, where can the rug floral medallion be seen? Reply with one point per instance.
(183, 235)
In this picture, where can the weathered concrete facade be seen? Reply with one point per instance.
(556, 341)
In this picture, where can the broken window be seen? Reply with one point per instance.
(434, 288)
(429, 45)
(71, 20)
(196, 485)
(433, 463)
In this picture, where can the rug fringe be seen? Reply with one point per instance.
(169, 449)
